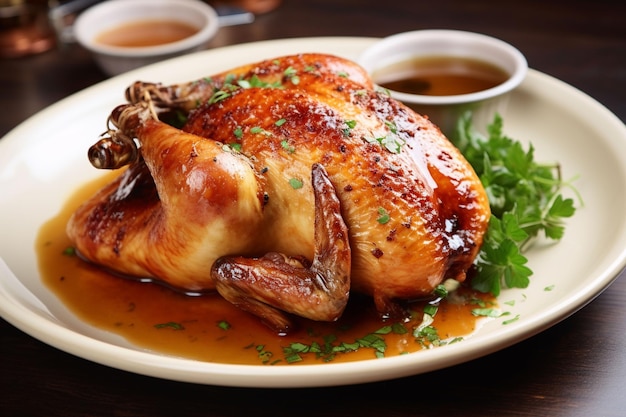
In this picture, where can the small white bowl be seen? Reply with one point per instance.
(445, 111)
(113, 13)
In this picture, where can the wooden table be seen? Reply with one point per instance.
(575, 368)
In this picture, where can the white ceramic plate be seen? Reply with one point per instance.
(43, 160)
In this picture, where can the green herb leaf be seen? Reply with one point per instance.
(224, 325)
(509, 321)
(383, 216)
(525, 198)
(488, 312)
(170, 325)
(330, 347)
(286, 146)
(295, 183)
(235, 146)
(430, 309)
(218, 96)
(441, 291)
(291, 74)
(69, 251)
(350, 124)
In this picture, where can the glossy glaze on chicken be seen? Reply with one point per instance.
(291, 183)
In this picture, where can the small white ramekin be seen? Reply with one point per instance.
(445, 111)
(112, 13)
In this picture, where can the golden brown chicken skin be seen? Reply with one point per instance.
(292, 183)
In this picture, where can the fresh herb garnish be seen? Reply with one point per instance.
(350, 124)
(426, 334)
(286, 146)
(291, 74)
(259, 130)
(509, 321)
(392, 126)
(295, 183)
(218, 96)
(69, 251)
(170, 325)
(224, 325)
(330, 347)
(235, 146)
(264, 355)
(391, 141)
(255, 82)
(525, 199)
(488, 312)
(383, 216)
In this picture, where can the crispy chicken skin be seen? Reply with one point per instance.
(292, 183)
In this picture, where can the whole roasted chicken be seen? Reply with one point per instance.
(285, 185)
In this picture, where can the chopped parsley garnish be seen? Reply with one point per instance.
(525, 199)
(286, 146)
(259, 130)
(330, 347)
(235, 146)
(264, 355)
(69, 251)
(256, 82)
(509, 321)
(291, 74)
(392, 126)
(488, 312)
(441, 291)
(218, 96)
(392, 142)
(383, 216)
(224, 325)
(231, 83)
(170, 325)
(295, 183)
(350, 124)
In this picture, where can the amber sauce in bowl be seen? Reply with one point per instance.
(146, 33)
(441, 76)
(207, 328)
(444, 74)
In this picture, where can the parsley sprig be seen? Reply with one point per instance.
(331, 346)
(525, 198)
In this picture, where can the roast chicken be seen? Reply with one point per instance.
(285, 185)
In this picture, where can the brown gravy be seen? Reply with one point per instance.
(146, 33)
(440, 76)
(159, 319)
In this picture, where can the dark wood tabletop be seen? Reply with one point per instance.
(575, 368)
